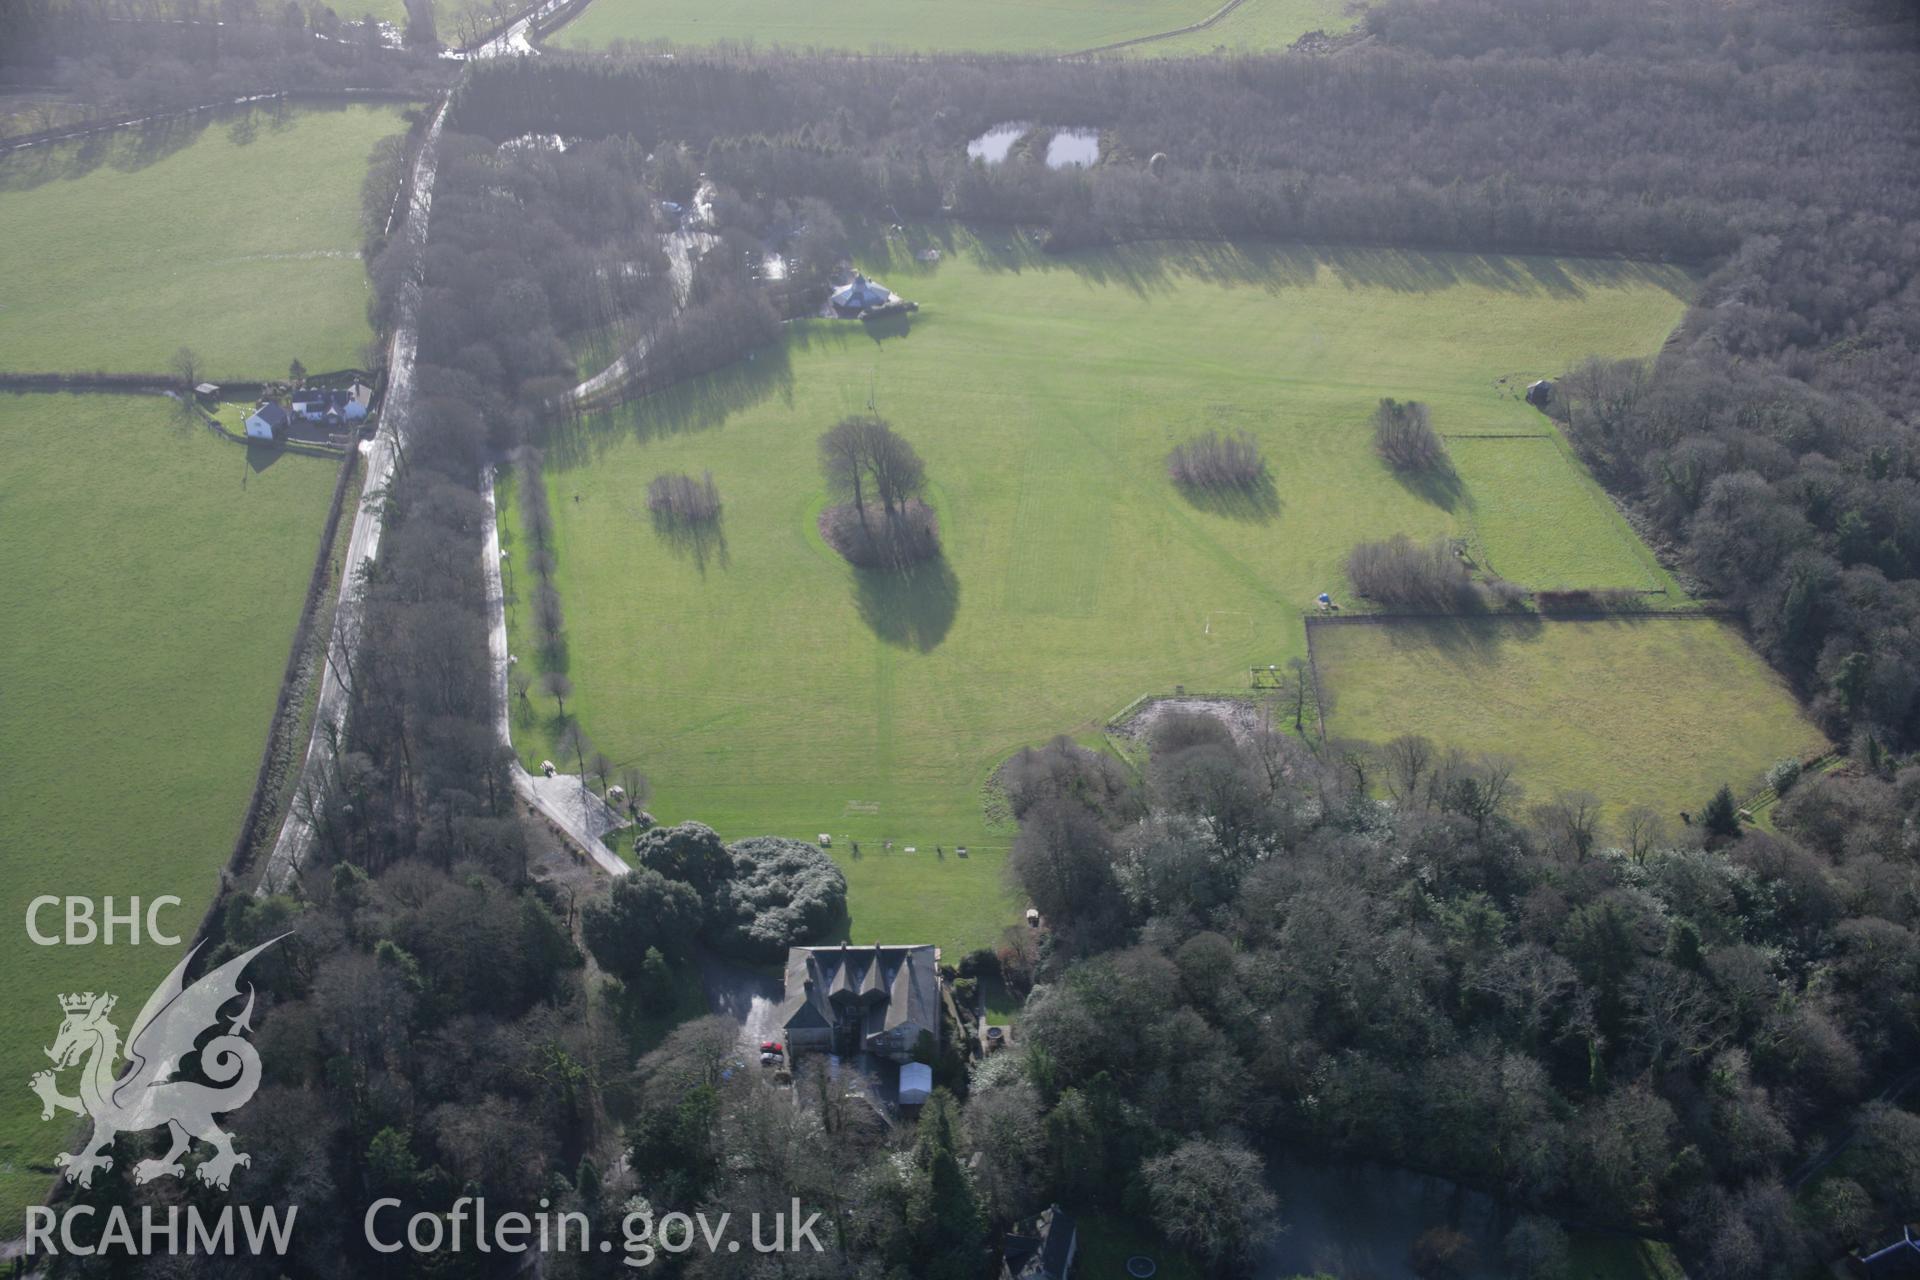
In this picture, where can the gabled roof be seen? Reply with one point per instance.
(877, 988)
(330, 397)
(271, 413)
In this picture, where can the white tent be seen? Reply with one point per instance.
(861, 294)
(916, 1083)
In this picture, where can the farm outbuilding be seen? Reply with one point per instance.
(1540, 394)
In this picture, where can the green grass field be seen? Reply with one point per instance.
(394, 11)
(150, 581)
(1552, 524)
(1257, 26)
(927, 26)
(236, 235)
(768, 688)
(1656, 711)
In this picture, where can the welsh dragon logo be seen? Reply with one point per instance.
(147, 1096)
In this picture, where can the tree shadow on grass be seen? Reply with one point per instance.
(133, 147)
(697, 404)
(700, 541)
(1439, 485)
(1145, 267)
(1257, 502)
(911, 607)
(1475, 636)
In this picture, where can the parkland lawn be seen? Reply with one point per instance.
(235, 234)
(929, 26)
(150, 582)
(767, 687)
(1657, 711)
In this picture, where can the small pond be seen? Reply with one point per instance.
(1067, 148)
(1350, 1219)
(993, 145)
(1071, 147)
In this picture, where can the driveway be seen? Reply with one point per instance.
(290, 848)
(565, 801)
(749, 996)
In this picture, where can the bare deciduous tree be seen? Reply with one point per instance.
(844, 454)
(557, 686)
(1644, 831)
(1570, 824)
(1217, 460)
(862, 453)
(637, 785)
(1413, 575)
(1403, 435)
(185, 367)
(1407, 763)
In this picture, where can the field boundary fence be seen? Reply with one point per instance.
(1518, 616)
(1204, 23)
(287, 709)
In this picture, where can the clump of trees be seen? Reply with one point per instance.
(678, 500)
(1404, 437)
(782, 892)
(1404, 574)
(753, 899)
(1217, 462)
(1063, 769)
(641, 912)
(867, 464)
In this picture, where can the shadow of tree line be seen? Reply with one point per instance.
(132, 147)
(1145, 267)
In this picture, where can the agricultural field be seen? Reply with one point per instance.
(150, 582)
(928, 26)
(394, 11)
(1044, 394)
(1255, 26)
(236, 235)
(1649, 710)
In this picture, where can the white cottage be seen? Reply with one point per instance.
(267, 422)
